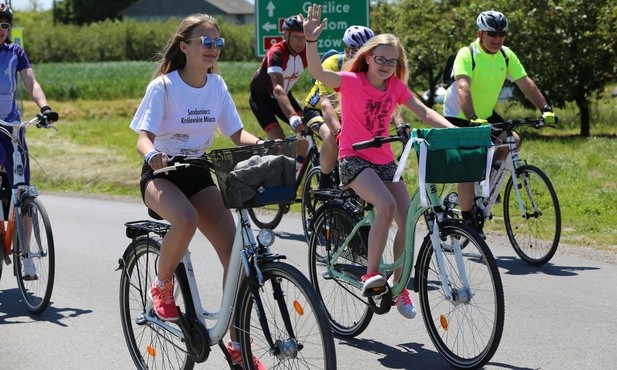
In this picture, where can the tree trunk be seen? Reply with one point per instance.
(583, 106)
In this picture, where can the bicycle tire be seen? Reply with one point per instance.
(309, 204)
(268, 217)
(40, 247)
(310, 346)
(534, 238)
(475, 326)
(150, 346)
(348, 311)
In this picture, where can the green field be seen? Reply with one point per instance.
(93, 153)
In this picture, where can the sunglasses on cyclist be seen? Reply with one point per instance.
(208, 43)
(496, 34)
(5, 26)
(383, 61)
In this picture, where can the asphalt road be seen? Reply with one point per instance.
(560, 316)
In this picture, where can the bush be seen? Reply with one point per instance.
(113, 40)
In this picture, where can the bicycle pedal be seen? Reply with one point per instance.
(375, 291)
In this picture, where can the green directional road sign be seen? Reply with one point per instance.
(269, 16)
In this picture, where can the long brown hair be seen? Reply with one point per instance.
(171, 57)
(358, 63)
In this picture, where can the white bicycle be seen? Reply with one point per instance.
(25, 229)
(277, 314)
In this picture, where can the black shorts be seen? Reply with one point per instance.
(189, 180)
(266, 109)
(350, 167)
(312, 118)
(460, 122)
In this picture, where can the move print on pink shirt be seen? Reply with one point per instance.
(366, 113)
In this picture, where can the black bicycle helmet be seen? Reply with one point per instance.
(6, 11)
(492, 21)
(356, 36)
(292, 23)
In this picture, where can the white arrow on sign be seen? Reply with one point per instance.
(269, 26)
(270, 8)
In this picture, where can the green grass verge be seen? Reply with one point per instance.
(94, 153)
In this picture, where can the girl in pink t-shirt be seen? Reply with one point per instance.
(371, 86)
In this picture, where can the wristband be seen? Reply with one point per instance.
(311, 41)
(257, 141)
(151, 154)
(44, 108)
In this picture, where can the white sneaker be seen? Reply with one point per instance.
(28, 269)
(405, 306)
(403, 302)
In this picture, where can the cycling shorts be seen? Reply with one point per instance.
(312, 118)
(266, 109)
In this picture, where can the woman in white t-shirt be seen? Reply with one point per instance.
(183, 104)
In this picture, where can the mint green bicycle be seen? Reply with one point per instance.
(456, 277)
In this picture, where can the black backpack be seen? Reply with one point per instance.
(447, 75)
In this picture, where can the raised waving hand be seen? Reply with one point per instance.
(311, 24)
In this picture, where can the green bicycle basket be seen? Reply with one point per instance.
(452, 155)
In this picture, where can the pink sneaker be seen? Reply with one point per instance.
(374, 284)
(236, 357)
(405, 306)
(162, 295)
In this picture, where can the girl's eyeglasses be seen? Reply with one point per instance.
(208, 43)
(5, 26)
(382, 61)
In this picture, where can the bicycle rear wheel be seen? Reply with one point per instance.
(309, 203)
(466, 332)
(268, 217)
(150, 345)
(35, 262)
(534, 235)
(348, 311)
(306, 343)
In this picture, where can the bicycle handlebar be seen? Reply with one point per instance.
(182, 161)
(40, 121)
(510, 124)
(377, 141)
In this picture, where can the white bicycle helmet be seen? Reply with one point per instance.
(492, 20)
(356, 36)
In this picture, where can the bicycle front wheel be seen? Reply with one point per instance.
(268, 217)
(150, 345)
(348, 311)
(35, 261)
(535, 231)
(296, 320)
(466, 329)
(309, 203)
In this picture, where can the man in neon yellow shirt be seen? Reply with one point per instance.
(480, 71)
(321, 103)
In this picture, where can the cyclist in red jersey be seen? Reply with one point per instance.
(270, 90)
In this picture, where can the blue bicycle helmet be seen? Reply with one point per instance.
(492, 21)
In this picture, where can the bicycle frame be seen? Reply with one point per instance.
(415, 210)
(244, 242)
(509, 165)
(19, 190)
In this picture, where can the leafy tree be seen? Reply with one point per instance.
(87, 11)
(567, 46)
